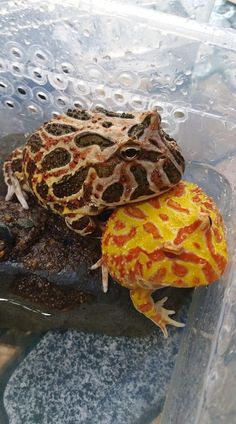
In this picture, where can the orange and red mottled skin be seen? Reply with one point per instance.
(144, 252)
(82, 162)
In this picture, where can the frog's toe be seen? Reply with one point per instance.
(162, 317)
(162, 320)
(105, 274)
(14, 187)
(170, 311)
(145, 304)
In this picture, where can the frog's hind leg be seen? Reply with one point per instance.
(144, 303)
(14, 177)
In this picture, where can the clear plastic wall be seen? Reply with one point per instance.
(56, 55)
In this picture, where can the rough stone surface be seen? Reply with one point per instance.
(73, 378)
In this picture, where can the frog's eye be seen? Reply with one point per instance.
(210, 221)
(130, 153)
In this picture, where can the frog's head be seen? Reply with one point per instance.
(134, 158)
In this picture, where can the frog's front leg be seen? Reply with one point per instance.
(14, 177)
(81, 224)
(144, 303)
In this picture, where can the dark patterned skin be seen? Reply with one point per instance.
(83, 162)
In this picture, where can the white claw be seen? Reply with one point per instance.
(97, 264)
(10, 192)
(161, 302)
(15, 188)
(170, 312)
(177, 323)
(105, 277)
(105, 274)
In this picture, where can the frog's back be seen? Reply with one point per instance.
(60, 155)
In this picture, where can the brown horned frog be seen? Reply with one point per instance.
(82, 162)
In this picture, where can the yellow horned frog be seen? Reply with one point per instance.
(176, 239)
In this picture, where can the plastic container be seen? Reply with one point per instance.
(55, 55)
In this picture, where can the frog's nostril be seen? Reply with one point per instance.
(210, 220)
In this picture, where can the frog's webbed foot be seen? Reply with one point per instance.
(144, 303)
(83, 225)
(105, 275)
(14, 178)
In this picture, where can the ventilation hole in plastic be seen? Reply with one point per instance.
(127, 79)
(58, 81)
(55, 114)
(179, 115)
(101, 104)
(40, 56)
(81, 87)
(119, 98)
(61, 102)
(6, 88)
(21, 91)
(37, 74)
(3, 87)
(16, 68)
(99, 91)
(32, 109)
(42, 96)
(137, 103)
(82, 103)
(10, 104)
(16, 52)
(67, 68)
(78, 104)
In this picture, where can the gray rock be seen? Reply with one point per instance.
(73, 378)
